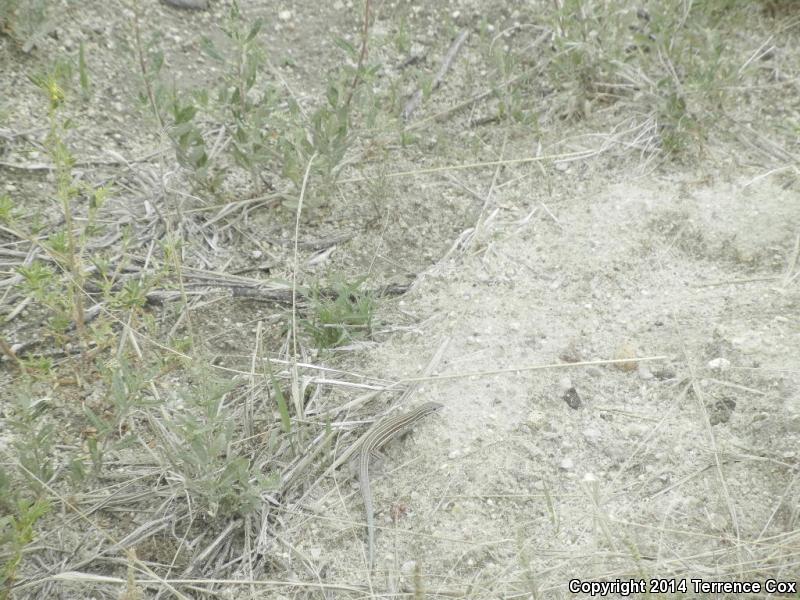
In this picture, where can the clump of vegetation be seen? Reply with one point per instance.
(200, 447)
(659, 62)
(17, 530)
(247, 121)
(341, 317)
(24, 21)
(68, 271)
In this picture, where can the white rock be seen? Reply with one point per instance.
(285, 15)
(719, 364)
(567, 464)
(591, 434)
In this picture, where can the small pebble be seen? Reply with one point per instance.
(591, 434)
(572, 398)
(187, 4)
(719, 364)
(567, 464)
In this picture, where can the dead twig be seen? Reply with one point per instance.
(361, 57)
(12, 356)
(284, 296)
(416, 98)
(92, 162)
(472, 100)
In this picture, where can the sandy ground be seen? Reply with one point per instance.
(682, 467)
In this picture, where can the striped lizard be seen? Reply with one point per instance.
(374, 438)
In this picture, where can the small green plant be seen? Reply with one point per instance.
(512, 104)
(33, 439)
(6, 209)
(659, 60)
(589, 42)
(327, 138)
(17, 530)
(34, 443)
(62, 291)
(402, 39)
(125, 384)
(342, 316)
(200, 445)
(173, 112)
(59, 280)
(248, 111)
(244, 109)
(257, 126)
(24, 21)
(64, 245)
(677, 128)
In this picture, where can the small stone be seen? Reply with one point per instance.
(594, 371)
(665, 373)
(591, 434)
(572, 353)
(644, 373)
(567, 464)
(285, 15)
(565, 383)
(572, 398)
(719, 364)
(624, 351)
(187, 4)
(721, 411)
(536, 419)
